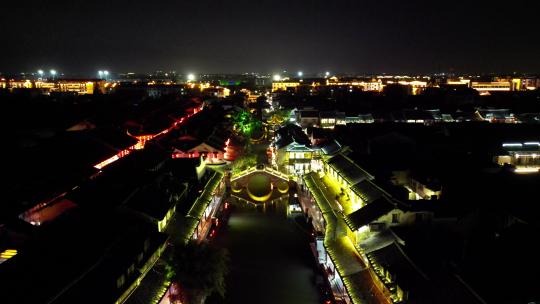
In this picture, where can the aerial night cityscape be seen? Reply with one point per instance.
(272, 152)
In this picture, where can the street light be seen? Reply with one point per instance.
(100, 73)
(277, 77)
(327, 74)
(300, 74)
(190, 77)
(40, 72)
(53, 73)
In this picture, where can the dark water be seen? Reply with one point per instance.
(270, 258)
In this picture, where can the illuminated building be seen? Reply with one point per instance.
(201, 216)
(345, 173)
(298, 158)
(498, 86)
(520, 84)
(342, 119)
(209, 153)
(190, 147)
(496, 115)
(219, 92)
(18, 84)
(81, 88)
(293, 150)
(354, 215)
(251, 97)
(458, 82)
(78, 86)
(427, 117)
(524, 157)
(284, 85)
(530, 83)
(328, 119)
(420, 187)
(371, 85)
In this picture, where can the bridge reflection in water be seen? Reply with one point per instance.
(259, 185)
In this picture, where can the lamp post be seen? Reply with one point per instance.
(40, 73)
(53, 74)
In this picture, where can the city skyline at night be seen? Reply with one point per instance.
(269, 151)
(412, 37)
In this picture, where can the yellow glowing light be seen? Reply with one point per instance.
(527, 170)
(283, 187)
(7, 254)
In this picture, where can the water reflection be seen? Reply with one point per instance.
(270, 257)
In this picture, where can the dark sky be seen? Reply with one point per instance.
(413, 36)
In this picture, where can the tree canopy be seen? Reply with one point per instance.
(199, 270)
(246, 123)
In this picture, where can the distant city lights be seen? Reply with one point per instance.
(512, 145)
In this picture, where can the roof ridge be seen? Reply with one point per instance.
(411, 262)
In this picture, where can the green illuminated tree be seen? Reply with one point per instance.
(244, 162)
(280, 116)
(246, 124)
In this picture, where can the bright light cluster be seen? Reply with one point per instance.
(7, 254)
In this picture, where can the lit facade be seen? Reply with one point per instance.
(374, 85)
(298, 159)
(351, 210)
(210, 154)
(494, 86)
(458, 82)
(284, 85)
(80, 87)
(524, 157)
(202, 213)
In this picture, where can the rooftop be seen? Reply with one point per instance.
(369, 213)
(348, 169)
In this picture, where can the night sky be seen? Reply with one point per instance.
(211, 36)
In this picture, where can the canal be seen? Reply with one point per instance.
(271, 261)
